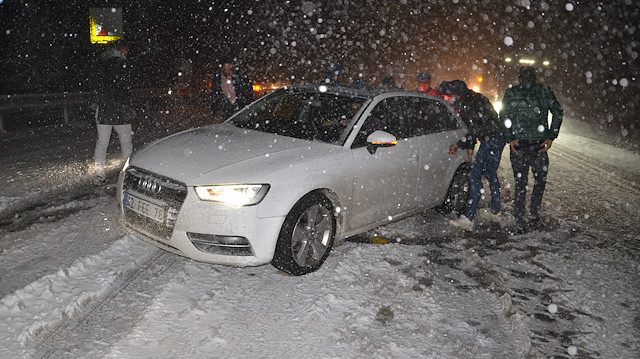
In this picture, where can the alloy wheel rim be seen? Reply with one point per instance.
(311, 235)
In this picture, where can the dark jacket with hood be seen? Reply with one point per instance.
(478, 114)
(244, 94)
(525, 110)
(113, 92)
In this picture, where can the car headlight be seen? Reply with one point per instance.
(235, 195)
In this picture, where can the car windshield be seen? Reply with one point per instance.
(313, 116)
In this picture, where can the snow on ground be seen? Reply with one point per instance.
(459, 297)
(74, 285)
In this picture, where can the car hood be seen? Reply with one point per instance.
(192, 156)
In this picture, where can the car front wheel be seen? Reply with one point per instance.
(306, 237)
(457, 199)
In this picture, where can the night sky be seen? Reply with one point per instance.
(592, 46)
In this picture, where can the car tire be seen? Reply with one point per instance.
(306, 237)
(457, 199)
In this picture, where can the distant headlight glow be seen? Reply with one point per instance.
(235, 195)
(497, 106)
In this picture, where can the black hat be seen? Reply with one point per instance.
(424, 77)
(527, 73)
(226, 59)
(445, 87)
(455, 87)
(388, 81)
(458, 87)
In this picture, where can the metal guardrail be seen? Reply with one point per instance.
(29, 102)
(13, 104)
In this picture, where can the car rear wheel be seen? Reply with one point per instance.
(457, 199)
(306, 237)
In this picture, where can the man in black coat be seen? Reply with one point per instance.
(484, 126)
(231, 91)
(530, 134)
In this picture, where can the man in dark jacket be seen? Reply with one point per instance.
(231, 91)
(483, 125)
(524, 115)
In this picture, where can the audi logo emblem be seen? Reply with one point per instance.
(149, 185)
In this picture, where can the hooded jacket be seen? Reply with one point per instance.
(480, 117)
(525, 110)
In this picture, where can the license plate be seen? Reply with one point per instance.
(145, 208)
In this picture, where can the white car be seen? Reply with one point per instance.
(293, 173)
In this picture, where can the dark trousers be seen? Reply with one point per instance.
(486, 164)
(529, 157)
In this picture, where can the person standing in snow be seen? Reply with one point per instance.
(332, 75)
(484, 126)
(231, 91)
(526, 127)
(113, 105)
(424, 84)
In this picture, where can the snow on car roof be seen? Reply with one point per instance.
(352, 90)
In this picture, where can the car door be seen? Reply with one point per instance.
(437, 128)
(384, 181)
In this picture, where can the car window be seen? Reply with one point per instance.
(431, 116)
(390, 115)
(332, 115)
(306, 115)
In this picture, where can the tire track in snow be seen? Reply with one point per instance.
(577, 185)
(91, 333)
(56, 298)
(617, 176)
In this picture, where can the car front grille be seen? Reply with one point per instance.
(159, 189)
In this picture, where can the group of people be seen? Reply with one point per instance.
(522, 123)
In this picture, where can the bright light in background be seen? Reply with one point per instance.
(263, 89)
(527, 61)
(497, 106)
(476, 88)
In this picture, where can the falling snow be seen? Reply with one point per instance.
(73, 284)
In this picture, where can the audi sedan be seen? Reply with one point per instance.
(294, 173)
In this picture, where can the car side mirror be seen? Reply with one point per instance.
(380, 139)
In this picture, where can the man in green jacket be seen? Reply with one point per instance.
(524, 115)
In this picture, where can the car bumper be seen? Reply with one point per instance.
(212, 233)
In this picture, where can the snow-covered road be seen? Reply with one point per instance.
(74, 285)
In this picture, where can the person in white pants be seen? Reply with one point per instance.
(102, 145)
(113, 105)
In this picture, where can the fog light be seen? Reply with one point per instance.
(223, 245)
